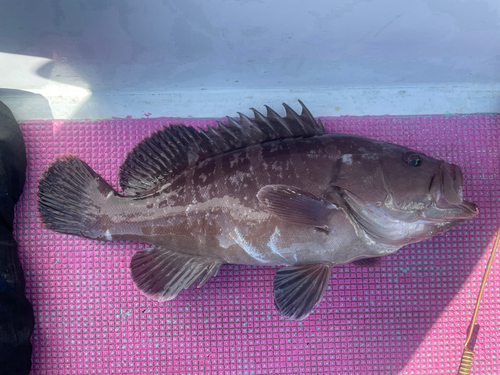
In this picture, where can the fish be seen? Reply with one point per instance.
(266, 191)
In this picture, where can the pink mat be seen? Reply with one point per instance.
(408, 316)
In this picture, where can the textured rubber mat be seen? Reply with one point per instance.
(407, 316)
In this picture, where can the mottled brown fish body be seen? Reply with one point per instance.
(269, 191)
(213, 210)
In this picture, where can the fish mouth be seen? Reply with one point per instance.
(446, 190)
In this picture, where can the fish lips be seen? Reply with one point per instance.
(446, 190)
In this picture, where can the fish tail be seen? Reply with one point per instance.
(71, 196)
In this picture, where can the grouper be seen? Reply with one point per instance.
(270, 191)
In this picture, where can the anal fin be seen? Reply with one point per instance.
(161, 274)
(297, 289)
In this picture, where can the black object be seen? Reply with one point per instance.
(16, 313)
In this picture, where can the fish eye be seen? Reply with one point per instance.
(413, 160)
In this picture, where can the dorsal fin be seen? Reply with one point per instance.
(159, 157)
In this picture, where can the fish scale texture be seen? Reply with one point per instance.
(408, 316)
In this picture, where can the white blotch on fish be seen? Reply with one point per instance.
(272, 244)
(235, 160)
(278, 169)
(247, 246)
(347, 159)
(108, 235)
(238, 177)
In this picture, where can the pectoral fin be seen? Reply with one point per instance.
(161, 274)
(297, 289)
(296, 205)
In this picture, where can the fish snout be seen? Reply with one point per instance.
(446, 186)
(447, 191)
(453, 181)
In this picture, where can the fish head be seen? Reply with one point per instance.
(400, 196)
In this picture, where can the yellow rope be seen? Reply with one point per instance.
(468, 355)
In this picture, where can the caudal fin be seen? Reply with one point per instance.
(70, 197)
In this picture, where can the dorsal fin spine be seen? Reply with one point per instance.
(272, 114)
(233, 124)
(305, 112)
(292, 115)
(237, 130)
(269, 130)
(225, 129)
(251, 127)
